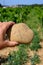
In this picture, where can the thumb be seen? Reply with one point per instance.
(11, 43)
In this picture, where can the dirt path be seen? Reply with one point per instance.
(40, 53)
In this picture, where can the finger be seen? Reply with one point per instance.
(10, 43)
(6, 26)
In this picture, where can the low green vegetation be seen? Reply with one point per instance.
(17, 58)
(35, 59)
(35, 42)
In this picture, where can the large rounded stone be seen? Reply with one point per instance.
(21, 33)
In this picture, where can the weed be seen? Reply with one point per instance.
(35, 59)
(35, 42)
(18, 58)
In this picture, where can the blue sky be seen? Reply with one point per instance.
(16, 2)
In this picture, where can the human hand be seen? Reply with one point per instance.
(3, 28)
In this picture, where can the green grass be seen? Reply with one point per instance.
(35, 59)
(17, 58)
(35, 44)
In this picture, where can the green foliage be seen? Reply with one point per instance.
(35, 42)
(22, 14)
(17, 58)
(35, 59)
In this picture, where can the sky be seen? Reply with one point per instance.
(20, 2)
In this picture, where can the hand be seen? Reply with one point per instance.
(3, 28)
